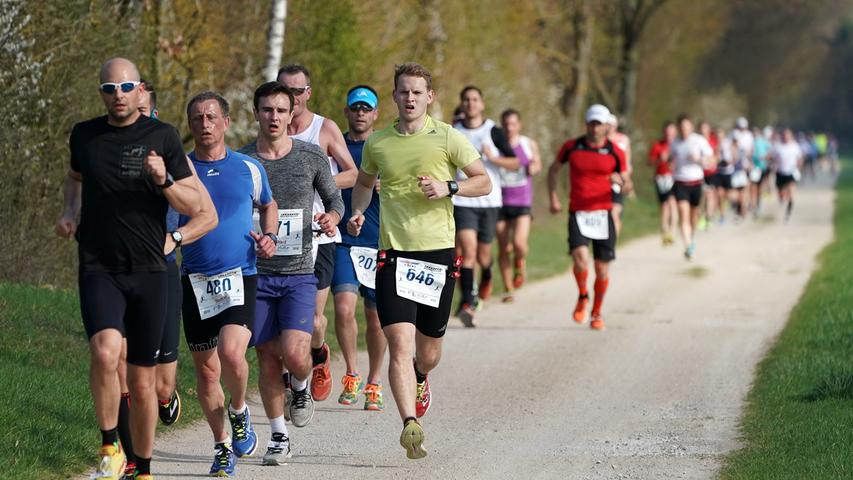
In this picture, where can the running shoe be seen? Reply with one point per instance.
(278, 450)
(373, 400)
(597, 322)
(485, 290)
(245, 440)
(143, 476)
(129, 471)
(508, 297)
(170, 410)
(412, 439)
(466, 315)
(423, 399)
(112, 462)
(520, 275)
(301, 408)
(224, 461)
(321, 378)
(288, 394)
(579, 314)
(702, 224)
(352, 387)
(690, 252)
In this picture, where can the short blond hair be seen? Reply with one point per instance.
(412, 69)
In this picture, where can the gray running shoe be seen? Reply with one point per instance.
(301, 408)
(278, 450)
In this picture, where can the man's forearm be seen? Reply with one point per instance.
(475, 186)
(183, 196)
(72, 195)
(345, 179)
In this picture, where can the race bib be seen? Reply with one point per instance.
(215, 293)
(419, 281)
(755, 175)
(513, 178)
(593, 225)
(797, 175)
(739, 179)
(664, 183)
(364, 261)
(289, 232)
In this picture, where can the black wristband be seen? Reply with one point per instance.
(452, 187)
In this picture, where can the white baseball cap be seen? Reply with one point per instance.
(741, 122)
(598, 113)
(614, 120)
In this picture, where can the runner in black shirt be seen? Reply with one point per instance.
(134, 167)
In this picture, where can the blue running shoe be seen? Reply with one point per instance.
(245, 440)
(224, 461)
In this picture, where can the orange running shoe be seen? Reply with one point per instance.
(579, 314)
(321, 378)
(520, 275)
(485, 290)
(597, 322)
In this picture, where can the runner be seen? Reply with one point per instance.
(659, 159)
(690, 154)
(758, 172)
(323, 132)
(513, 228)
(134, 169)
(355, 267)
(595, 166)
(710, 196)
(476, 218)
(788, 160)
(220, 278)
(725, 168)
(743, 145)
(287, 286)
(417, 158)
(624, 143)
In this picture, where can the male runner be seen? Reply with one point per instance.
(659, 159)
(476, 218)
(624, 143)
(690, 153)
(760, 169)
(355, 267)
(287, 287)
(788, 160)
(219, 278)
(595, 166)
(323, 132)
(134, 168)
(417, 158)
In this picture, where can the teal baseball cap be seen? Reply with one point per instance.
(362, 95)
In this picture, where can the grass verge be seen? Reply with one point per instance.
(798, 422)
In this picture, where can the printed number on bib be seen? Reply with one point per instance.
(739, 179)
(755, 175)
(593, 225)
(215, 293)
(289, 232)
(421, 282)
(364, 261)
(513, 178)
(664, 183)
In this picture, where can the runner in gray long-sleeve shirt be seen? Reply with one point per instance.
(286, 283)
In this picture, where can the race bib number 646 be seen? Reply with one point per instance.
(419, 281)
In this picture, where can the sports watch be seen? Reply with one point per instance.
(177, 237)
(170, 180)
(273, 237)
(453, 187)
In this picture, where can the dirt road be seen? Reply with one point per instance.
(529, 394)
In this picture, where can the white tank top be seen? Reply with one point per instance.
(312, 135)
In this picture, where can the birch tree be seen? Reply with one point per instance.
(275, 39)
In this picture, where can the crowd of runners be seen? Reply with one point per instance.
(269, 230)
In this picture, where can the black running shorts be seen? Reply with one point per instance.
(483, 220)
(202, 335)
(172, 326)
(602, 250)
(132, 303)
(783, 180)
(392, 308)
(511, 213)
(686, 192)
(324, 266)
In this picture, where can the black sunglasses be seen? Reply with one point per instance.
(126, 87)
(300, 90)
(360, 106)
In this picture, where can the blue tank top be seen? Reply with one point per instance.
(369, 236)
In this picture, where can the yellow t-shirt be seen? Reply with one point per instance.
(408, 221)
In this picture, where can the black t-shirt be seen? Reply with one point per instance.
(122, 219)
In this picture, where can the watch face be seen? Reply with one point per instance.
(177, 237)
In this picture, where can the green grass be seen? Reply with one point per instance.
(799, 420)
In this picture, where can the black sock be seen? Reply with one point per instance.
(466, 280)
(143, 466)
(789, 207)
(409, 419)
(109, 437)
(124, 426)
(318, 355)
(421, 377)
(485, 275)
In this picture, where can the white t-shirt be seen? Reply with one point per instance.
(787, 157)
(480, 137)
(687, 155)
(312, 135)
(745, 143)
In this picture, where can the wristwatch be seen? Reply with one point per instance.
(170, 180)
(453, 187)
(273, 237)
(177, 237)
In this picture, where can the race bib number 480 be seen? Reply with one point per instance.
(593, 225)
(419, 281)
(215, 293)
(364, 261)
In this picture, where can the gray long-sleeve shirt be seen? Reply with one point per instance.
(293, 179)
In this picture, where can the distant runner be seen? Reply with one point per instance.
(659, 159)
(690, 153)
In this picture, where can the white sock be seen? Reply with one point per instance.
(245, 409)
(227, 441)
(277, 425)
(298, 385)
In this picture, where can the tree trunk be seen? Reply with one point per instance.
(628, 84)
(437, 38)
(275, 39)
(575, 97)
